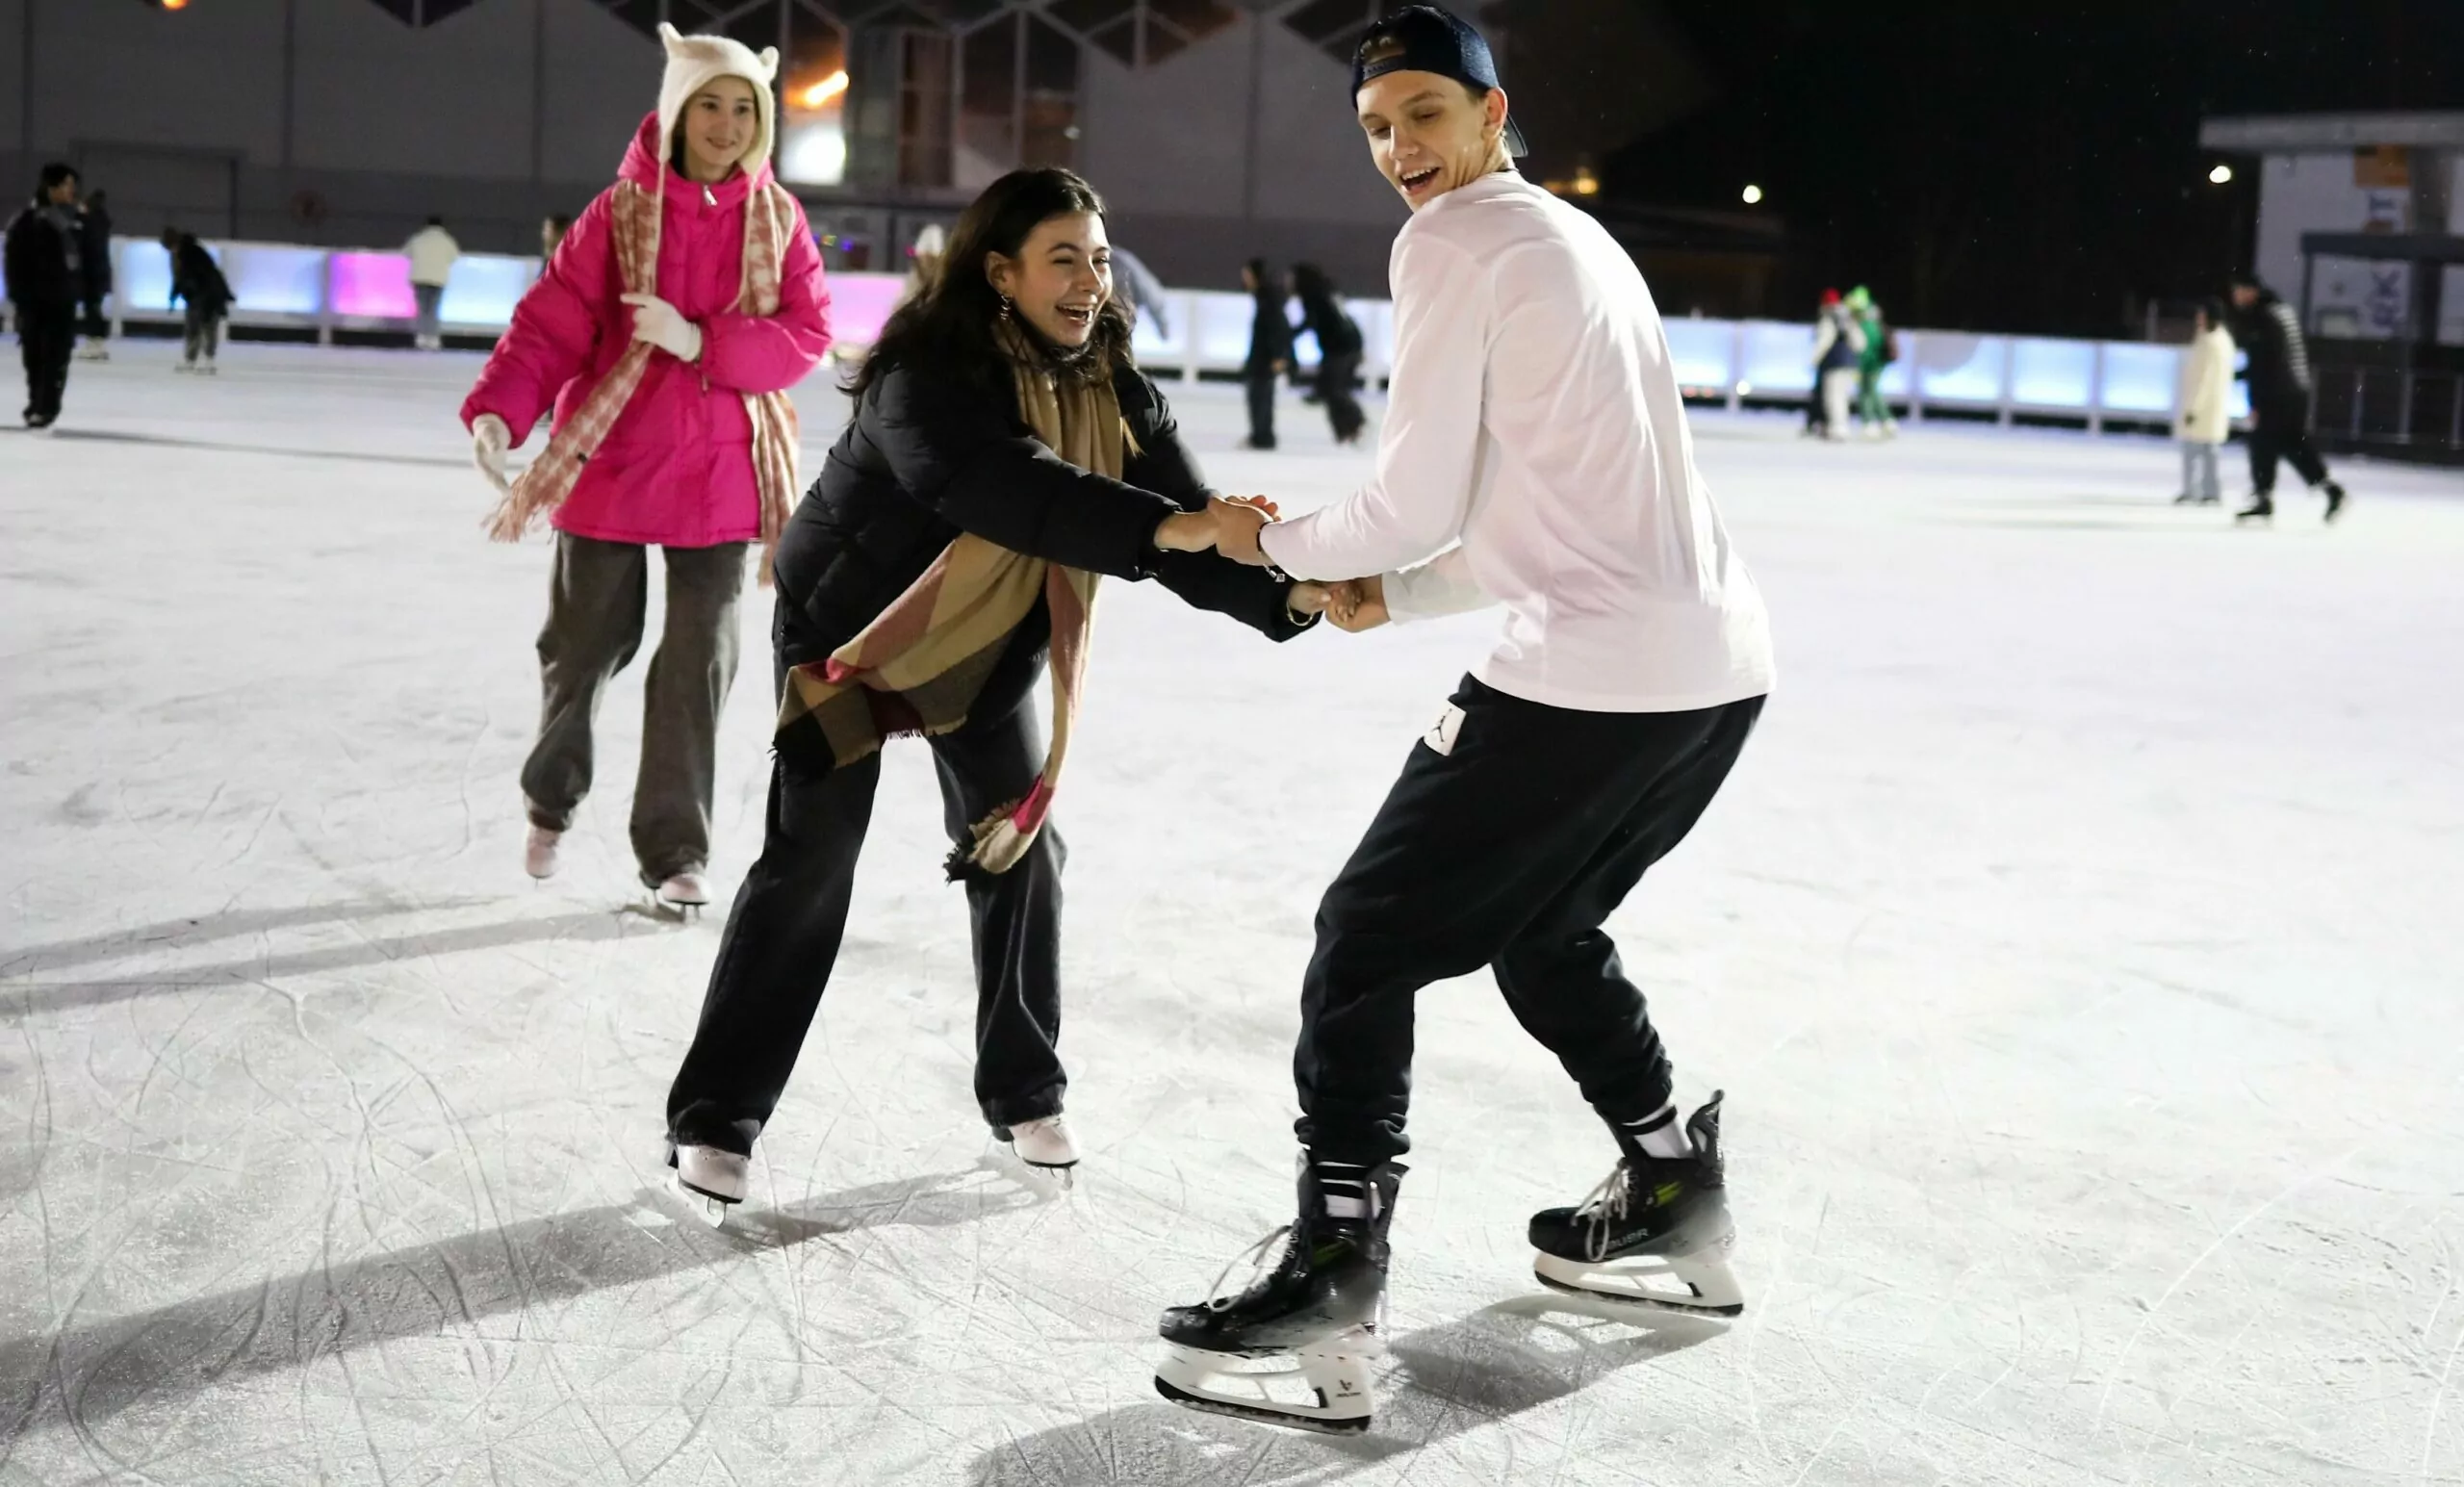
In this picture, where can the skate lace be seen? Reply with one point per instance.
(1260, 1257)
(1606, 1203)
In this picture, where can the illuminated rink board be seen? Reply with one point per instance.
(287, 285)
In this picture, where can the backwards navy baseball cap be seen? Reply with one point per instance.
(1428, 38)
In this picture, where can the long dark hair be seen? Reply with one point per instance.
(947, 330)
(1315, 289)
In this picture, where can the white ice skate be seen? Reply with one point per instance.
(1043, 1144)
(184, 368)
(710, 1181)
(1323, 1387)
(540, 851)
(684, 893)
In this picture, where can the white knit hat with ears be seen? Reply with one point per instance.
(695, 62)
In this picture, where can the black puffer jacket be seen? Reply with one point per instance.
(39, 258)
(1269, 334)
(925, 459)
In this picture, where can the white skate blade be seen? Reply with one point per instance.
(1324, 1389)
(1697, 1285)
(709, 1207)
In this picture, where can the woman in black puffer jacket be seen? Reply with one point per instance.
(940, 445)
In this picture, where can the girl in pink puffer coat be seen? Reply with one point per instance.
(665, 333)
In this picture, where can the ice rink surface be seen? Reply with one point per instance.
(2078, 943)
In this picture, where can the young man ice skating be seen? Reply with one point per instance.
(45, 275)
(1535, 448)
(2279, 401)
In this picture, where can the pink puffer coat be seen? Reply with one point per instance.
(678, 469)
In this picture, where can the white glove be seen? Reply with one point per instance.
(490, 439)
(657, 322)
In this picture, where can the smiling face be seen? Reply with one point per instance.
(719, 126)
(1061, 277)
(1429, 135)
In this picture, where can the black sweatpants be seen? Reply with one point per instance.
(1508, 852)
(783, 935)
(2283, 432)
(1261, 386)
(1335, 375)
(47, 339)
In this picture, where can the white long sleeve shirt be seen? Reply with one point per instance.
(1536, 447)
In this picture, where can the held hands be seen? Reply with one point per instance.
(1356, 605)
(490, 439)
(662, 325)
(1223, 526)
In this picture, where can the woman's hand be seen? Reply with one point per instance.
(1358, 604)
(664, 326)
(1237, 520)
(490, 439)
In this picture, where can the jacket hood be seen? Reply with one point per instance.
(645, 166)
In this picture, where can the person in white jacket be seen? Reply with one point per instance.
(1534, 456)
(433, 252)
(2206, 417)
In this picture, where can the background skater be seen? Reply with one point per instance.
(1536, 448)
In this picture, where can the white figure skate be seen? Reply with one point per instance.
(687, 892)
(710, 1181)
(1043, 1144)
(540, 854)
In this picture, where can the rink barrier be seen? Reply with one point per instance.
(322, 291)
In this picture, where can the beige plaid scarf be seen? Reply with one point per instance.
(769, 218)
(917, 668)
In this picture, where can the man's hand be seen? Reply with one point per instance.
(1358, 604)
(490, 439)
(664, 326)
(1237, 525)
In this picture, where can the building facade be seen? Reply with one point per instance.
(1217, 128)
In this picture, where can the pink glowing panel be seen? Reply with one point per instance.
(373, 286)
(860, 303)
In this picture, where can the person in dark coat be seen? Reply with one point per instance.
(45, 277)
(95, 249)
(2279, 373)
(197, 281)
(1269, 350)
(941, 450)
(1339, 349)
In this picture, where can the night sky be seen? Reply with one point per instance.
(2023, 166)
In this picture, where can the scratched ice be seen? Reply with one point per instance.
(2078, 946)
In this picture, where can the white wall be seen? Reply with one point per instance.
(370, 91)
(208, 77)
(12, 83)
(1197, 102)
(1314, 162)
(602, 77)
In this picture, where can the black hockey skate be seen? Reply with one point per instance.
(2335, 500)
(1656, 1233)
(1294, 1348)
(2260, 509)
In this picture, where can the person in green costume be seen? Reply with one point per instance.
(1871, 410)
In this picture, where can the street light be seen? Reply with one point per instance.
(1753, 195)
(2221, 175)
